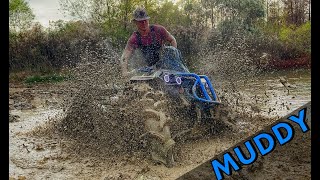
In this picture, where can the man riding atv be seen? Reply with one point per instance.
(150, 40)
(173, 89)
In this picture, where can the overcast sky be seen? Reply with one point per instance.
(46, 10)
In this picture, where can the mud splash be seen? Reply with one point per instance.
(97, 133)
(105, 117)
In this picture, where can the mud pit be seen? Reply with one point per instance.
(38, 150)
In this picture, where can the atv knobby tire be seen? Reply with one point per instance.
(127, 119)
(133, 118)
(157, 124)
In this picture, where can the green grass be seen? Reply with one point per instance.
(33, 77)
(51, 78)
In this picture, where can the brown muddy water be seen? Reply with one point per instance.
(31, 156)
(277, 93)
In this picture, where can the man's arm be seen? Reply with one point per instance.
(172, 40)
(168, 36)
(124, 60)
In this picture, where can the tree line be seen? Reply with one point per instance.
(278, 27)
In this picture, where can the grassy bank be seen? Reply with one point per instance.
(28, 77)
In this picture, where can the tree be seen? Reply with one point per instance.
(169, 15)
(20, 15)
(297, 11)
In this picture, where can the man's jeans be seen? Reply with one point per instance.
(171, 59)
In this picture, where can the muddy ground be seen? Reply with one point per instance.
(34, 155)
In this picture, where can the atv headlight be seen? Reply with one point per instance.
(172, 79)
(166, 78)
(178, 80)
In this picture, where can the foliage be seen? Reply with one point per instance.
(28, 46)
(297, 38)
(45, 79)
(169, 15)
(61, 45)
(257, 26)
(20, 15)
(295, 11)
(228, 28)
(248, 10)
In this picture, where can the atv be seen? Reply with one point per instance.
(190, 92)
(158, 108)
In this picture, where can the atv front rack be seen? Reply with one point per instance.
(208, 94)
(198, 83)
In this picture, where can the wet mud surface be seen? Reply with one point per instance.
(38, 149)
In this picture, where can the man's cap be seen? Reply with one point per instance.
(140, 14)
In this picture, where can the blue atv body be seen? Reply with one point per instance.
(176, 79)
